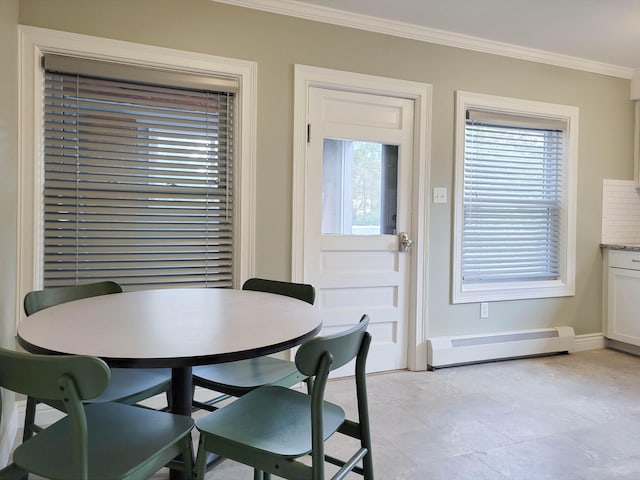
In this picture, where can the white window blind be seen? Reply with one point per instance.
(513, 198)
(138, 181)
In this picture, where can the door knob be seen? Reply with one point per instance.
(405, 242)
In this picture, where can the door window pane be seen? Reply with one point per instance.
(359, 187)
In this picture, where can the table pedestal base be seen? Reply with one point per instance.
(181, 394)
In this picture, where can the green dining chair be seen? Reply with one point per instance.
(234, 379)
(98, 441)
(13, 472)
(127, 385)
(272, 428)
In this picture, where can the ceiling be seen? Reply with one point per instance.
(597, 35)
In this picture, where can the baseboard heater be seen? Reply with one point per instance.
(460, 350)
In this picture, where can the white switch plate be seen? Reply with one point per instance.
(439, 194)
(484, 310)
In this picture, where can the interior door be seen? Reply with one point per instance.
(357, 243)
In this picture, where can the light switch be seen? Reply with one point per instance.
(440, 195)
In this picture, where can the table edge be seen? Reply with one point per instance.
(177, 362)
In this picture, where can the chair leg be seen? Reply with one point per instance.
(259, 475)
(29, 419)
(367, 466)
(187, 458)
(168, 396)
(201, 461)
(365, 441)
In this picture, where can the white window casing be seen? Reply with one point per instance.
(36, 43)
(515, 199)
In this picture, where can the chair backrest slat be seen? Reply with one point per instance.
(301, 291)
(38, 375)
(343, 347)
(41, 299)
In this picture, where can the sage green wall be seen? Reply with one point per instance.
(8, 182)
(278, 42)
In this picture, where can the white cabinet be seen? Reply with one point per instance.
(622, 296)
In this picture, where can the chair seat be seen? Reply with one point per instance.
(119, 437)
(270, 419)
(128, 385)
(240, 377)
(131, 385)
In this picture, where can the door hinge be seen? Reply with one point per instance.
(308, 133)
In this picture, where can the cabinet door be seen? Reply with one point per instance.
(624, 305)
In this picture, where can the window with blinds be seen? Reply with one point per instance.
(512, 201)
(513, 194)
(138, 177)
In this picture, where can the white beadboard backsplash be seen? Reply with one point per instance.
(620, 213)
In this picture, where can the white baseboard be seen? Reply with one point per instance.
(590, 341)
(622, 346)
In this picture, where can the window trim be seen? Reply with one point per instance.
(565, 285)
(35, 42)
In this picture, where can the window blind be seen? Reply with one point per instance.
(513, 191)
(138, 183)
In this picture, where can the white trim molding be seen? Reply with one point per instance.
(369, 23)
(589, 341)
(34, 43)
(421, 94)
(564, 285)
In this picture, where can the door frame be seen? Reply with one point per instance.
(306, 77)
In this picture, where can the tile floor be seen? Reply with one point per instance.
(569, 417)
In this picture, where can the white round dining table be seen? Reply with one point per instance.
(176, 328)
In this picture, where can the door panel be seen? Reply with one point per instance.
(357, 200)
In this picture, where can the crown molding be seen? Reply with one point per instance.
(334, 16)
